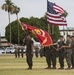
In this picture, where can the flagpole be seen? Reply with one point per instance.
(63, 33)
(50, 29)
(67, 30)
(48, 24)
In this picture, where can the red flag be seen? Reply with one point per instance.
(43, 37)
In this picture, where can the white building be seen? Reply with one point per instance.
(3, 42)
(68, 31)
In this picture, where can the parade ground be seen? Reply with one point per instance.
(9, 65)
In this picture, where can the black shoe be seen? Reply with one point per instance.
(29, 68)
(61, 68)
(68, 68)
(48, 68)
(72, 68)
(53, 67)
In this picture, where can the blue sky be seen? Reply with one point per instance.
(36, 8)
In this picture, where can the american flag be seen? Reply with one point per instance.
(54, 13)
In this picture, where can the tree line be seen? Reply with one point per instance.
(34, 21)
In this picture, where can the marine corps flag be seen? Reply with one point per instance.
(41, 35)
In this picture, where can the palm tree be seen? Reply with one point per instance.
(17, 10)
(9, 7)
(65, 14)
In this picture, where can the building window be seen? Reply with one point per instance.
(73, 33)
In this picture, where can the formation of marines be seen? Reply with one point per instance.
(61, 50)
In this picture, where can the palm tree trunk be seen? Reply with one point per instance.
(10, 27)
(18, 31)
